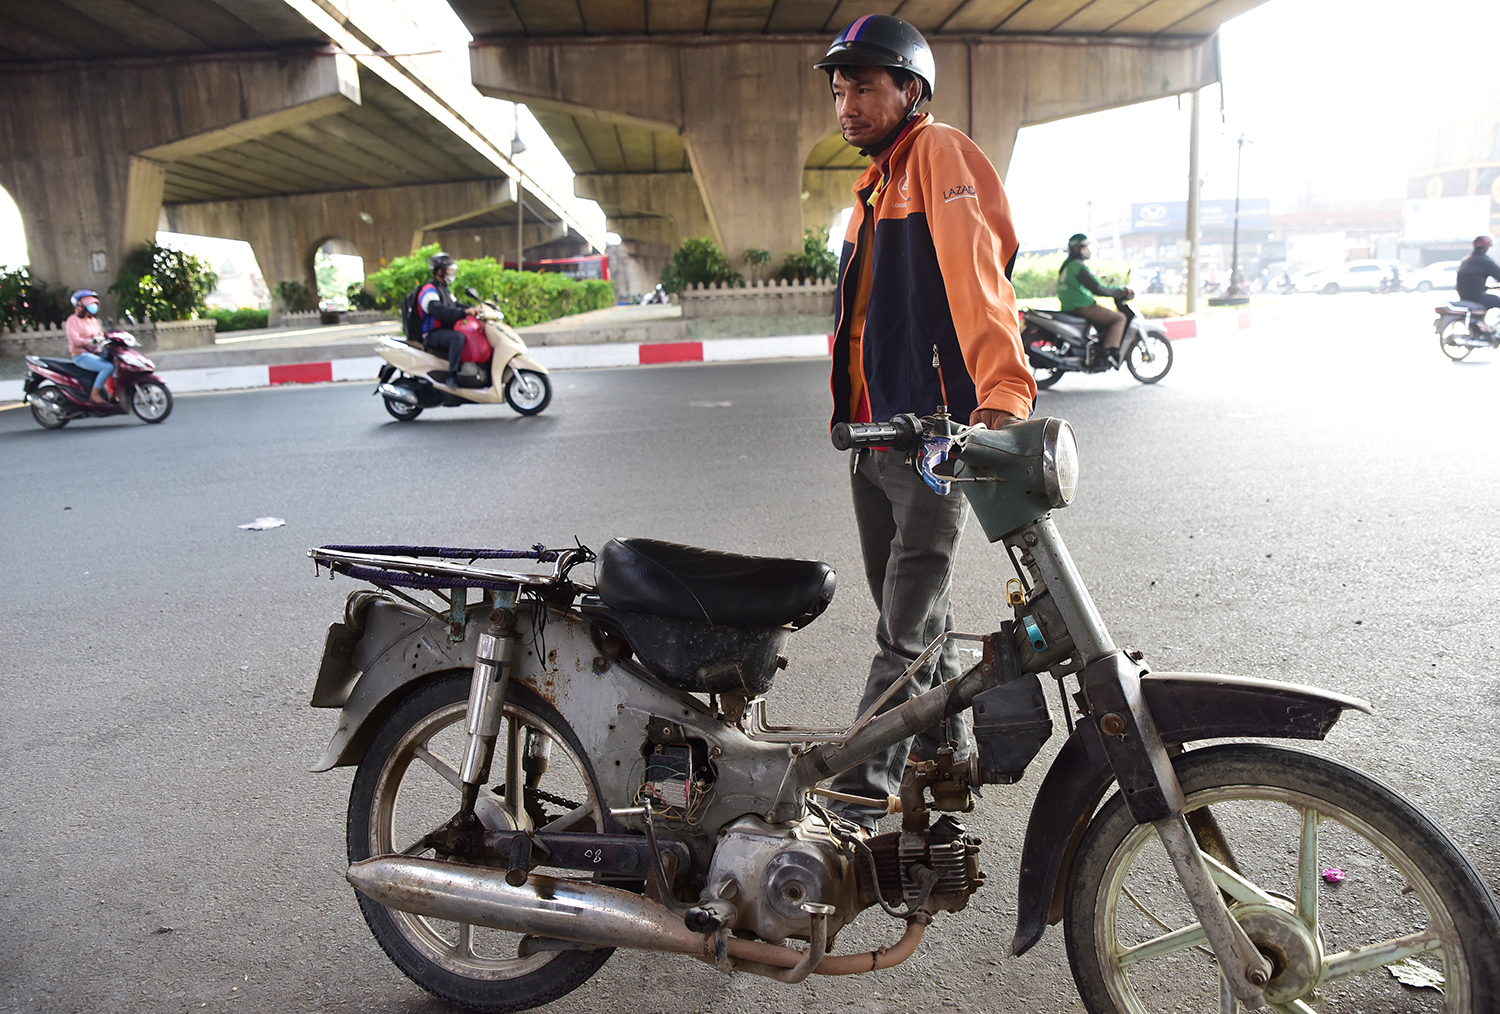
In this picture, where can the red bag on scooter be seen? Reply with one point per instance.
(477, 348)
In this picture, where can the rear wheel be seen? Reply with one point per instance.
(1451, 337)
(1149, 358)
(527, 391)
(402, 411)
(49, 408)
(151, 401)
(408, 784)
(1355, 896)
(1424, 286)
(1040, 341)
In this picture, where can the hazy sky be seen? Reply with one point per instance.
(1329, 93)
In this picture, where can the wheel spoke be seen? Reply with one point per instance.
(1370, 956)
(1307, 871)
(513, 788)
(1233, 884)
(463, 948)
(448, 771)
(1293, 1007)
(1189, 936)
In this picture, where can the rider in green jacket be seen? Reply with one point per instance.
(1076, 288)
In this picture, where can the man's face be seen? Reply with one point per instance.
(868, 103)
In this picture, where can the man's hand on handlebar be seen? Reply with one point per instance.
(993, 418)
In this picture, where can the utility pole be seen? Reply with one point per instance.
(516, 147)
(1193, 233)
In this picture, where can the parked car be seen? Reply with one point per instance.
(1353, 276)
(1438, 275)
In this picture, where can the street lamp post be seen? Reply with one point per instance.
(1235, 294)
(516, 147)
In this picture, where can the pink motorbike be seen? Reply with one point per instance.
(58, 389)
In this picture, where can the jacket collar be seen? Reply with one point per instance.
(880, 172)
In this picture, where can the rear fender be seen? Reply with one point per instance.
(1186, 707)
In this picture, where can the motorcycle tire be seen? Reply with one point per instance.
(528, 392)
(49, 409)
(1148, 359)
(151, 401)
(1045, 376)
(405, 787)
(400, 410)
(1448, 340)
(1328, 860)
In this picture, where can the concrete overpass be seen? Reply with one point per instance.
(693, 117)
(286, 123)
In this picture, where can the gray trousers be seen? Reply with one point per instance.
(908, 535)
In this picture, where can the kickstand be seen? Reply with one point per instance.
(658, 886)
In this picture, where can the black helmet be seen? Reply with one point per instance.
(1077, 240)
(1482, 243)
(879, 40)
(440, 262)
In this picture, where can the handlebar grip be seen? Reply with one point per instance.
(899, 434)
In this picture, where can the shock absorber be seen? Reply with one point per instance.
(486, 694)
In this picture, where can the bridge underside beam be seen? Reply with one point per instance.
(755, 124)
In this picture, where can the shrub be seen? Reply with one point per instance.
(240, 320)
(164, 284)
(698, 262)
(295, 296)
(27, 303)
(816, 263)
(1035, 277)
(359, 298)
(526, 297)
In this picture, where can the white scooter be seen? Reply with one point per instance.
(414, 379)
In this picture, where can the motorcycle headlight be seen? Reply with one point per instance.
(1059, 462)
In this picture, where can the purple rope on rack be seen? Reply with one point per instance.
(402, 579)
(538, 553)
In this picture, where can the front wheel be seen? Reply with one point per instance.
(1149, 358)
(49, 408)
(408, 784)
(151, 401)
(1354, 895)
(527, 391)
(1451, 338)
(1424, 286)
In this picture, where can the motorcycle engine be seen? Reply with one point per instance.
(767, 872)
(901, 857)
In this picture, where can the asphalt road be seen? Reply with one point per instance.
(1314, 501)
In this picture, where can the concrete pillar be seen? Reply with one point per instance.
(84, 147)
(380, 222)
(750, 111)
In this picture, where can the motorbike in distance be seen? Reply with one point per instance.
(58, 390)
(550, 767)
(414, 379)
(1058, 343)
(1461, 328)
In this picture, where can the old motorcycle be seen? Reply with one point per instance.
(549, 768)
(1058, 343)
(413, 379)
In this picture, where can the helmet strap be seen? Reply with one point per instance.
(890, 139)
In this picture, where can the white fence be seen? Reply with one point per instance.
(758, 299)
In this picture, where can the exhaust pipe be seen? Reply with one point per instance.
(543, 906)
(400, 394)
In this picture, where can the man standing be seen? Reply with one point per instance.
(1076, 288)
(926, 317)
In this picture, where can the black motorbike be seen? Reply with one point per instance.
(1058, 343)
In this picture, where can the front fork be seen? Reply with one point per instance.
(1111, 684)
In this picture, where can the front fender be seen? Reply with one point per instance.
(522, 361)
(1186, 707)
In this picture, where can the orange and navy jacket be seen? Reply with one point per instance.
(943, 246)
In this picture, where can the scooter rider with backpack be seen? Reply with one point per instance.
(440, 311)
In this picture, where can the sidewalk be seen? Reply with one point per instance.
(242, 360)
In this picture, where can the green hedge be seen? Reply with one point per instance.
(1036, 277)
(240, 320)
(526, 297)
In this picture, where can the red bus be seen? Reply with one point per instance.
(582, 268)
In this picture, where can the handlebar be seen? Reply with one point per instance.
(900, 433)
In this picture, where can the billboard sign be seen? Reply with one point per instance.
(1171, 216)
(1447, 219)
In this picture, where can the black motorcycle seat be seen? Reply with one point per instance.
(1068, 318)
(706, 586)
(1468, 304)
(71, 368)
